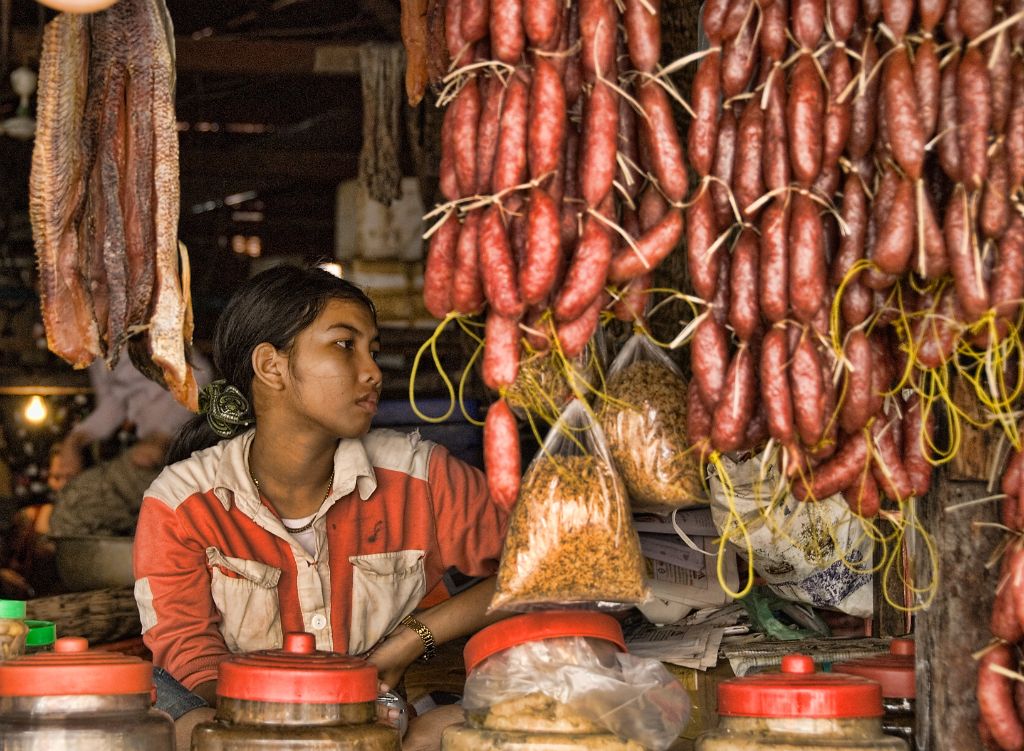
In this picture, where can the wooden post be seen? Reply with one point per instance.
(956, 624)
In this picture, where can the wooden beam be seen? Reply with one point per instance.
(235, 56)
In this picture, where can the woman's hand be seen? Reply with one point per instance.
(395, 654)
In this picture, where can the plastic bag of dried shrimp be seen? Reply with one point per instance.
(643, 416)
(571, 540)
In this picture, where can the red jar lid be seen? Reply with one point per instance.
(298, 674)
(546, 624)
(800, 691)
(895, 670)
(71, 669)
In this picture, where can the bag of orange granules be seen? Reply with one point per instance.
(571, 539)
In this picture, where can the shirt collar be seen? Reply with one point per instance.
(233, 483)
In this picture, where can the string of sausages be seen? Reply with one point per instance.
(564, 175)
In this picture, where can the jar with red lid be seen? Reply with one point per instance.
(799, 707)
(296, 698)
(513, 666)
(895, 673)
(75, 699)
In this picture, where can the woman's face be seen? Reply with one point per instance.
(333, 378)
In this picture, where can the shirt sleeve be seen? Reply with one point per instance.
(172, 589)
(470, 527)
(110, 410)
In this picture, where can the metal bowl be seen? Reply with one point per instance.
(94, 562)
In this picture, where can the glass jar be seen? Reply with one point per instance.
(535, 720)
(799, 708)
(40, 637)
(12, 629)
(895, 672)
(78, 700)
(296, 698)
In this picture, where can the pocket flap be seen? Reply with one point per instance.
(388, 564)
(256, 572)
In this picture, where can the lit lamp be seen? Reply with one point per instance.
(35, 411)
(22, 126)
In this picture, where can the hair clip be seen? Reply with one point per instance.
(225, 407)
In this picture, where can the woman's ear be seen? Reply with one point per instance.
(269, 366)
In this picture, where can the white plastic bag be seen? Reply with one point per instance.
(633, 697)
(811, 552)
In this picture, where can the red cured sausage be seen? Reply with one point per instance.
(720, 303)
(501, 454)
(1007, 283)
(701, 234)
(773, 31)
(948, 145)
(839, 114)
(573, 76)
(775, 162)
(888, 468)
(862, 497)
(995, 202)
(710, 359)
(774, 260)
(902, 113)
(857, 403)
(808, 21)
(467, 287)
(974, 113)
(540, 21)
(936, 334)
(1015, 127)
(600, 131)
(725, 159)
(736, 407)
(838, 473)
(502, 342)
(493, 97)
(808, 389)
(598, 28)
(473, 19)
(497, 266)
(739, 57)
(739, 10)
(744, 309)
(573, 336)
(703, 127)
(805, 111)
(856, 303)
(652, 208)
(897, 14)
(896, 233)
(843, 15)
(999, 60)
(747, 181)
(715, 12)
(539, 269)
(865, 103)
(974, 17)
(651, 248)
(458, 46)
(448, 181)
(643, 33)
(440, 268)
(918, 434)
(927, 84)
(587, 271)
(995, 699)
(1004, 623)
(930, 12)
(632, 302)
(698, 422)
(510, 160)
(466, 122)
(628, 172)
(546, 131)
(537, 331)
(964, 256)
(775, 392)
(807, 277)
(508, 38)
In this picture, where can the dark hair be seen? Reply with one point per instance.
(273, 306)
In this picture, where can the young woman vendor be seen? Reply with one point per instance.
(282, 511)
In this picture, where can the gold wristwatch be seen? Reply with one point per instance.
(429, 647)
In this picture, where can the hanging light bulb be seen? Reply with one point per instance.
(35, 412)
(78, 6)
(22, 126)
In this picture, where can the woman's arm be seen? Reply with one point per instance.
(463, 614)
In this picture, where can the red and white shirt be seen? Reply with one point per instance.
(216, 571)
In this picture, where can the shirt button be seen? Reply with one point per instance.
(318, 621)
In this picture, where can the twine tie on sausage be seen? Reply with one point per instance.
(225, 407)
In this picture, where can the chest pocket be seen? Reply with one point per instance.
(245, 593)
(386, 587)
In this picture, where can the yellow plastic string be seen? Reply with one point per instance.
(431, 344)
(912, 523)
(734, 520)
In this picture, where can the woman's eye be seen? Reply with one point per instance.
(375, 354)
(345, 343)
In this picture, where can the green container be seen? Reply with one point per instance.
(41, 636)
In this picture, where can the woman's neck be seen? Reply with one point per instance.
(292, 474)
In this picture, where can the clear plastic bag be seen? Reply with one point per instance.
(644, 421)
(571, 539)
(545, 383)
(632, 697)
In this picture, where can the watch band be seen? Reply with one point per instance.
(425, 634)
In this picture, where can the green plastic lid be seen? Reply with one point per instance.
(40, 633)
(12, 609)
